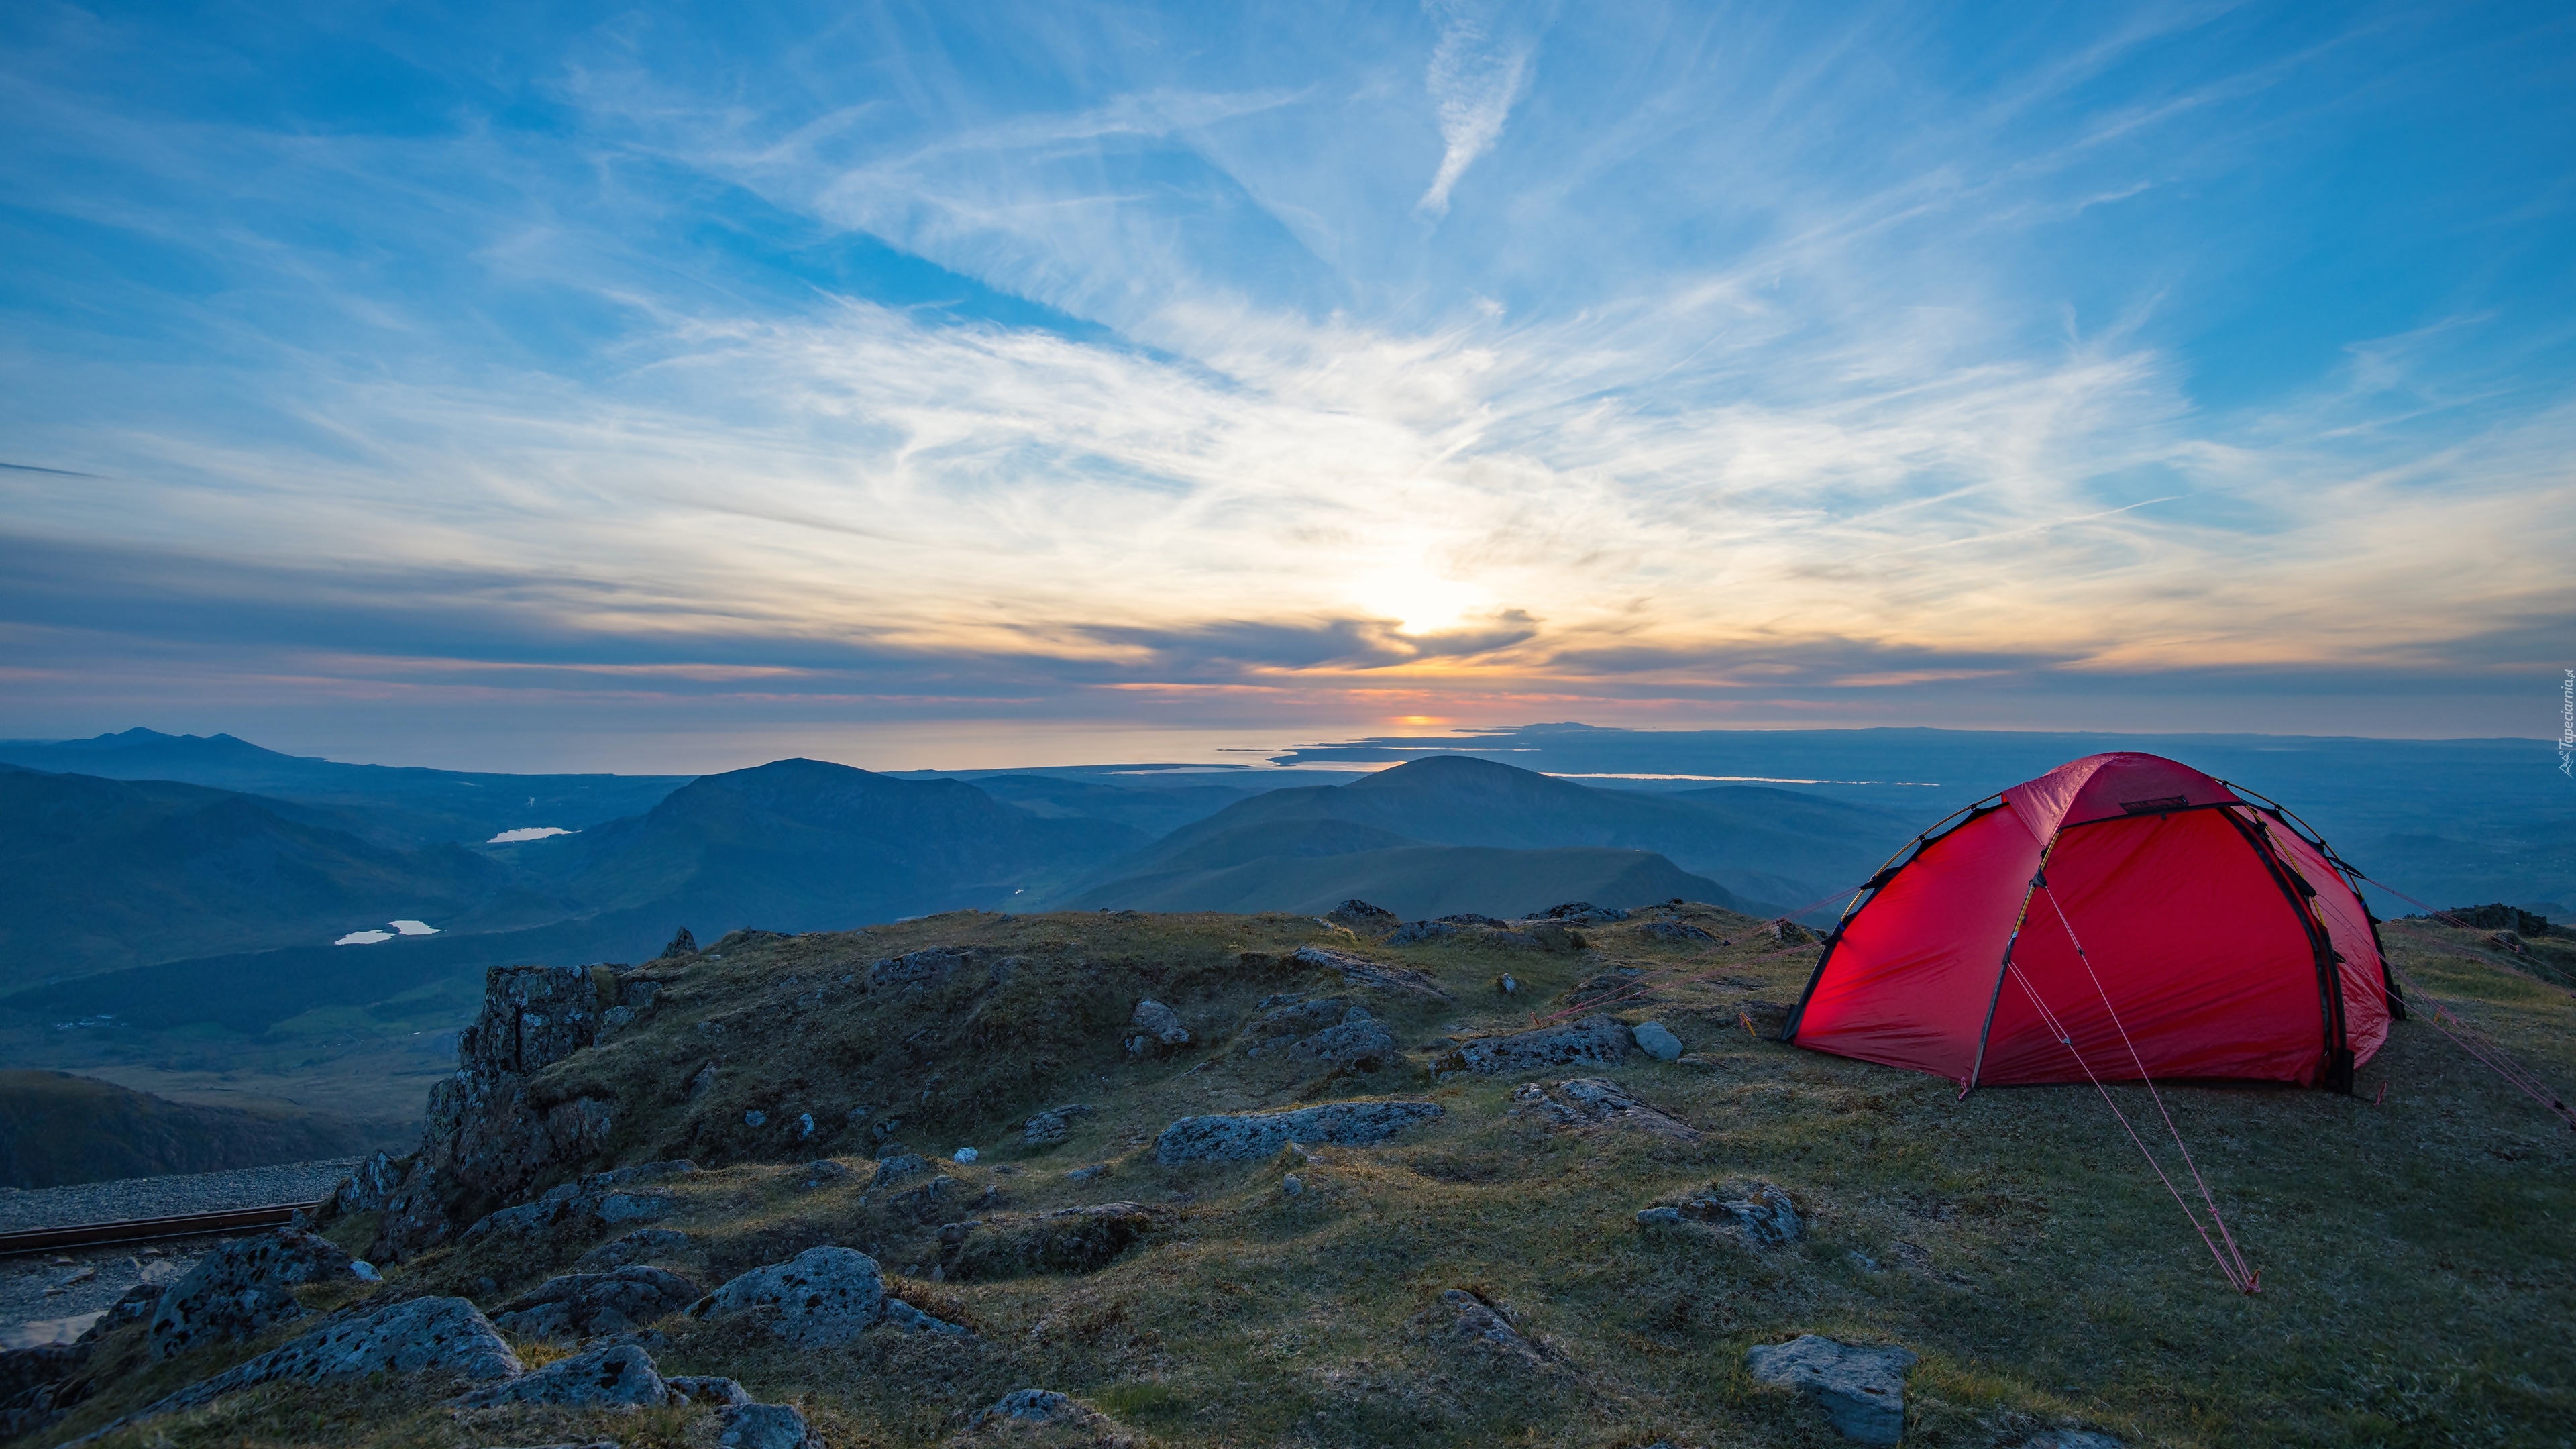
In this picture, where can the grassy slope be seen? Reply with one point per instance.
(2414, 1252)
(56, 1128)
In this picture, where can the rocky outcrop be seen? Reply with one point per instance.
(602, 1200)
(1155, 1028)
(1358, 971)
(1582, 913)
(1596, 1101)
(821, 1298)
(586, 1305)
(1759, 1213)
(1598, 1040)
(616, 1376)
(38, 1385)
(1861, 1390)
(766, 1426)
(1335, 1030)
(1035, 1406)
(1679, 933)
(1045, 1129)
(1362, 919)
(447, 1337)
(244, 1289)
(1258, 1134)
(1479, 1326)
(489, 1136)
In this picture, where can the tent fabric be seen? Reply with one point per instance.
(2227, 942)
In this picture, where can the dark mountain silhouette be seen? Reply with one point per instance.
(110, 873)
(56, 1128)
(398, 806)
(1770, 844)
(801, 845)
(1416, 882)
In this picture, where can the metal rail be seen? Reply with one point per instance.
(145, 1230)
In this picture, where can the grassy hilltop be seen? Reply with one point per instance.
(2414, 1249)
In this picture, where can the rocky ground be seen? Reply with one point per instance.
(1112, 1179)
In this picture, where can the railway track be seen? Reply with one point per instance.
(145, 1230)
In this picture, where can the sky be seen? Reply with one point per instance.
(675, 387)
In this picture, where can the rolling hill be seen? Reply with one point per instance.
(56, 1128)
(1773, 845)
(110, 873)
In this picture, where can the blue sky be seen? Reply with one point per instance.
(533, 384)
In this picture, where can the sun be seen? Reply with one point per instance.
(1423, 603)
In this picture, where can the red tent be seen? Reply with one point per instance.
(2125, 908)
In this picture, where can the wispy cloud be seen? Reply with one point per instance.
(1475, 77)
(847, 372)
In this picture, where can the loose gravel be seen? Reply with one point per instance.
(154, 1197)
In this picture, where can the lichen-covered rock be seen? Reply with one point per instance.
(897, 1170)
(1862, 1390)
(243, 1289)
(821, 1298)
(930, 967)
(1239, 1138)
(488, 1136)
(1359, 971)
(447, 1337)
(371, 1185)
(1067, 1240)
(1759, 1212)
(1681, 933)
(705, 1389)
(586, 1305)
(1155, 1028)
(618, 1376)
(1479, 1326)
(1598, 1040)
(1044, 1129)
(600, 1200)
(766, 1426)
(1656, 1042)
(1363, 919)
(1596, 1101)
(1582, 913)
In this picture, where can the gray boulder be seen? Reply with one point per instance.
(707, 1389)
(901, 1167)
(1758, 1212)
(244, 1289)
(767, 1426)
(586, 1305)
(1356, 1041)
(619, 1376)
(371, 1186)
(1363, 919)
(1656, 1042)
(1242, 1137)
(1481, 1327)
(445, 1336)
(1861, 1390)
(1155, 1028)
(1044, 1129)
(1598, 1040)
(821, 1298)
(902, 1315)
